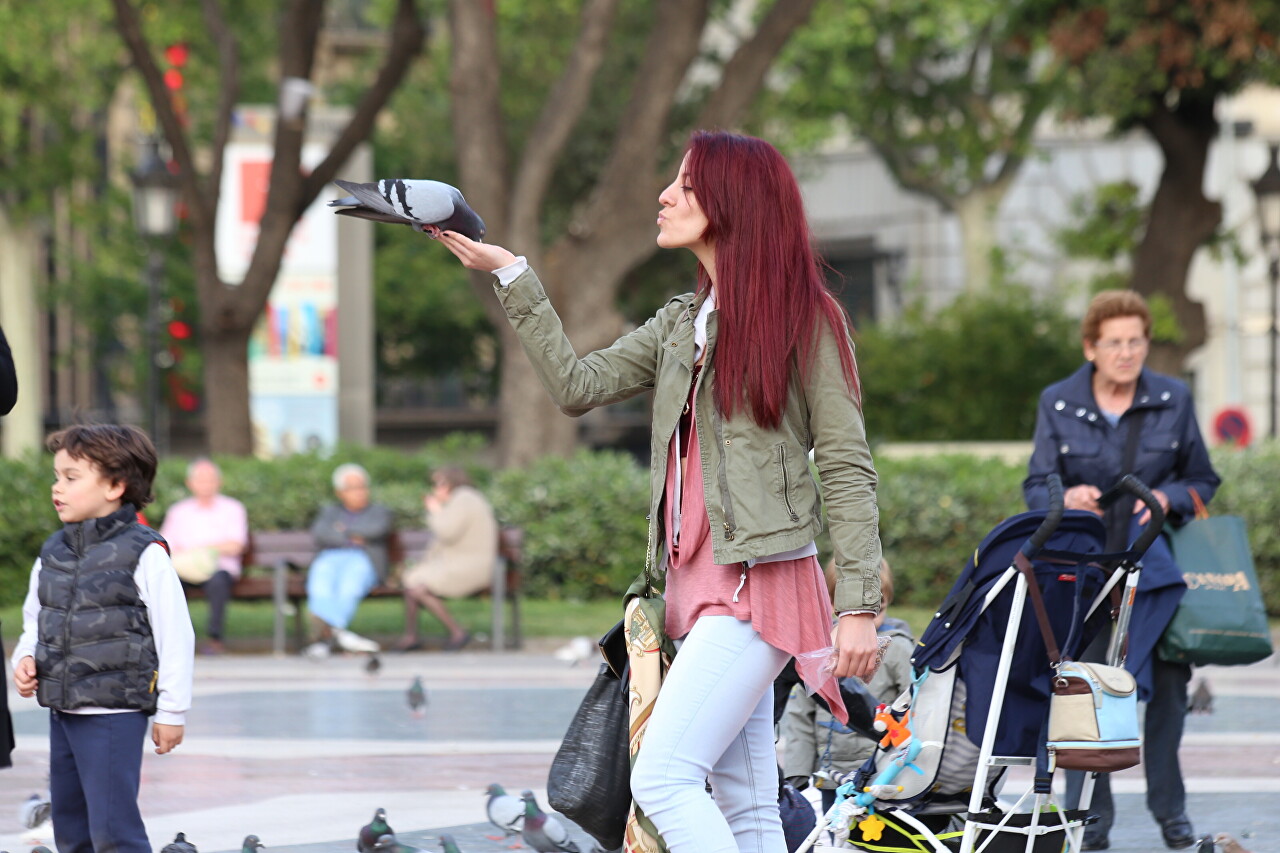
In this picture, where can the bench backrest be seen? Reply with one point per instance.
(271, 548)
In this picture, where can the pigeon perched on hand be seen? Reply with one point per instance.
(372, 831)
(417, 204)
(505, 811)
(543, 832)
(180, 844)
(251, 843)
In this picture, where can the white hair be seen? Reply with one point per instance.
(202, 460)
(342, 471)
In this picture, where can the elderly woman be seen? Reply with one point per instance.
(352, 537)
(459, 561)
(1112, 417)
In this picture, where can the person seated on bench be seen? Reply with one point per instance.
(207, 535)
(459, 559)
(352, 540)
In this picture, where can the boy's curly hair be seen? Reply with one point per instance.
(121, 453)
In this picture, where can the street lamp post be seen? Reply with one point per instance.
(155, 196)
(1267, 190)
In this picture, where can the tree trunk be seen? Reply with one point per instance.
(226, 383)
(976, 212)
(1181, 220)
(531, 426)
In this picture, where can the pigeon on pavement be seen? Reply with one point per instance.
(180, 844)
(251, 843)
(543, 832)
(1228, 844)
(372, 831)
(40, 848)
(373, 665)
(390, 844)
(1201, 699)
(505, 811)
(448, 845)
(34, 811)
(409, 202)
(417, 696)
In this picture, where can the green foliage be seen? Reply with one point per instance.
(934, 511)
(584, 517)
(584, 521)
(946, 91)
(973, 371)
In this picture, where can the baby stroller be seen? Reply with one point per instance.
(980, 701)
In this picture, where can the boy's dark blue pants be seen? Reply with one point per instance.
(95, 764)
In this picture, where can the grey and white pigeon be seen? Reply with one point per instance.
(390, 844)
(34, 811)
(543, 832)
(180, 844)
(448, 845)
(417, 696)
(372, 831)
(373, 665)
(251, 843)
(505, 811)
(40, 848)
(1201, 701)
(413, 203)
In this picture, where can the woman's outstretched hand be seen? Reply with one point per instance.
(856, 646)
(485, 257)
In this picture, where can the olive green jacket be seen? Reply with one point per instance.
(761, 498)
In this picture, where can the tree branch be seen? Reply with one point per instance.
(631, 168)
(408, 34)
(476, 108)
(228, 90)
(563, 108)
(743, 74)
(130, 28)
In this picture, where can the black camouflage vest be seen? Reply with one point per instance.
(95, 643)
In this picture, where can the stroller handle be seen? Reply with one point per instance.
(1051, 521)
(1137, 488)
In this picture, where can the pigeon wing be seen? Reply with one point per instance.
(375, 216)
(370, 196)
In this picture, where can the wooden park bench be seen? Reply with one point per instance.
(275, 569)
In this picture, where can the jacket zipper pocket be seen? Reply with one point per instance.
(786, 482)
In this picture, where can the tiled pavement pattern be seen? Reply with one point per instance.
(301, 753)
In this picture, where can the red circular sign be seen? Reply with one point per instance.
(1231, 426)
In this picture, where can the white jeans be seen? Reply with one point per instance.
(713, 719)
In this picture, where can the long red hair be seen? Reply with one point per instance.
(770, 293)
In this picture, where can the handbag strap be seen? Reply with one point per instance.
(648, 558)
(1037, 604)
(1117, 516)
(1201, 511)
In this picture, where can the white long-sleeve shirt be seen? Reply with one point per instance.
(161, 593)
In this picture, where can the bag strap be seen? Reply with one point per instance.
(1117, 516)
(648, 559)
(1202, 512)
(1037, 604)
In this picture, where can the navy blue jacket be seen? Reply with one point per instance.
(1075, 441)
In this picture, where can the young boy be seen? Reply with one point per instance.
(106, 638)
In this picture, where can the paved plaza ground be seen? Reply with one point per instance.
(300, 753)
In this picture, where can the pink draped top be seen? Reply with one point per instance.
(786, 602)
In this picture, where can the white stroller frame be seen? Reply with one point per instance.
(851, 803)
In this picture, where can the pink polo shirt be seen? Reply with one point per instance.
(189, 525)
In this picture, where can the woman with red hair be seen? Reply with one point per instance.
(750, 374)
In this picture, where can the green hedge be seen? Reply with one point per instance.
(584, 516)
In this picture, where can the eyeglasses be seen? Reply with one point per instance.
(1111, 345)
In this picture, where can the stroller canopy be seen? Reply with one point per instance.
(1068, 581)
